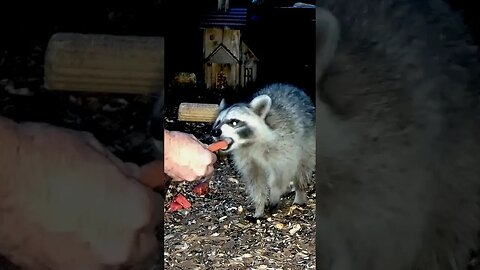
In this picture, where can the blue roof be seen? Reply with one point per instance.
(233, 18)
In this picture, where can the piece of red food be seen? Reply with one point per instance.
(179, 202)
(218, 145)
(201, 189)
(174, 206)
(182, 201)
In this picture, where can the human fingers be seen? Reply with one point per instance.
(191, 136)
(213, 158)
(210, 170)
(175, 177)
(190, 175)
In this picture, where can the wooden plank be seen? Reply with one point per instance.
(197, 112)
(105, 63)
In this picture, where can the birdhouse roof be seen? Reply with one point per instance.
(221, 54)
(250, 53)
(235, 18)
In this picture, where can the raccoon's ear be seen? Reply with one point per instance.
(222, 105)
(261, 105)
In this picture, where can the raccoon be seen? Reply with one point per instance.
(397, 139)
(327, 37)
(272, 142)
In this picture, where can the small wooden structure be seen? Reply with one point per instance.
(228, 61)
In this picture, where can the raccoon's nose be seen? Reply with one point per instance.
(216, 132)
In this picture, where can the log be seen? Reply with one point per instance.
(104, 63)
(197, 112)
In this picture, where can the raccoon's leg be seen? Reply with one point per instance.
(301, 184)
(300, 197)
(258, 192)
(275, 195)
(278, 184)
(305, 170)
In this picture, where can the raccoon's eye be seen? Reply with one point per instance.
(234, 122)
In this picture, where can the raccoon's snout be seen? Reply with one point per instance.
(216, 132)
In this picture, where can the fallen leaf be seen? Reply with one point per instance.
(242, 226)
(295, 229)
(291, 209)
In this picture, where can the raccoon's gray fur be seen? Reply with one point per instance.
(398, 149)
(327, 37)
(272, 143)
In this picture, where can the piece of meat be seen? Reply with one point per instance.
(201, 188)
(179, 202)
(219, 145)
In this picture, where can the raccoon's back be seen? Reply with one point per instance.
(292, 110)
(398, 164)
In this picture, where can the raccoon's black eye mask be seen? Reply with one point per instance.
(234, 123)
(231, 122)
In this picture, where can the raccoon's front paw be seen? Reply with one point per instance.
(253, 219)
(259, 215)
(300, 198)
(272, 207)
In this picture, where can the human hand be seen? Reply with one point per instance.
(186, 158)
(74, 202)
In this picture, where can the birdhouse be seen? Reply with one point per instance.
(228, 61)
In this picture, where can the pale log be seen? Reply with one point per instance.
(197, 112)
(104, 63)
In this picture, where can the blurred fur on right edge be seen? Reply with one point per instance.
(398, 152)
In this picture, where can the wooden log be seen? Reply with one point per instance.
(197, 112)
(104, 63)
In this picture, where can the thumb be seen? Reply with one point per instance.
(152, 174)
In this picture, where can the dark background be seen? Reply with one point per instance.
(283, 41)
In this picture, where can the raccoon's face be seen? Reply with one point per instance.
(241, 124)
